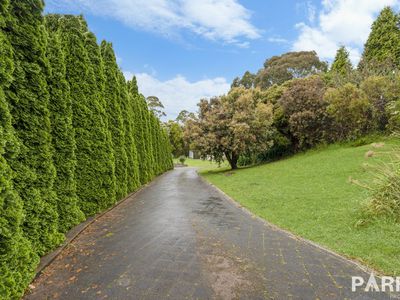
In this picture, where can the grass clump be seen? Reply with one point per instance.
(384, 190)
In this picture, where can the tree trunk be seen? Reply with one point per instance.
(232, 159)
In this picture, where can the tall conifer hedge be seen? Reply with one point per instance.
(62, 131)
(28, 98)
(115, 119)
(75, 137)
(17, 259)
(133, 180)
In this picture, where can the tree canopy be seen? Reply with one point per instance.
(341, 64)
(383, 43)
(279, 69)
(247, 81)
(231, 125)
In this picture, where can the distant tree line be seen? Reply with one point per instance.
(75, 137)
(296, 102)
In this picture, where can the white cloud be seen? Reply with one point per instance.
(223, 20)
(340, 22)
(178, 93)
(278, 40)
(311, 12)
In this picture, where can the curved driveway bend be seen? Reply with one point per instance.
(179, 238)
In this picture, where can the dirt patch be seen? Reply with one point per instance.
(230, 276)
(370, 153)
(378, 145)
(225, 276)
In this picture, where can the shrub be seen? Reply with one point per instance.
(305, 109)
(362, 141)
(351, 111)
(182, 159)
(380, 91)
(280, 148)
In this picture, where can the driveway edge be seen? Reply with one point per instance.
(73, 233)
(352, 261)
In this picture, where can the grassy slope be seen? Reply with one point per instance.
(310, 195)
(205, 165)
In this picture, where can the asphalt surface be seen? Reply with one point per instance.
(179, 238)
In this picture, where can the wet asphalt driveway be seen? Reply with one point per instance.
(179, 238)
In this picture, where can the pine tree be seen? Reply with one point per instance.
(383, 44)
(116, 122)
(133, 181)
(28, 98)
(17, 260)
(63, 138)
(341, 65)
(93, 171)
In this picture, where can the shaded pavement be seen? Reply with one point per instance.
(179, 238)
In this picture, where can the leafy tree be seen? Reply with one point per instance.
(383, 44)
(350, 108)
(62, 131)
(230, 126)
(28, 98)
(183, 116)
(279, 69)
(341, 65)
(17, 259)
(304, 108)
(154, 104)
(247, 81)
(115, 121)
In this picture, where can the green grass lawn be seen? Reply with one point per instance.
(311, 195)
(204, 164)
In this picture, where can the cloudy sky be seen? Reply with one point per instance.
(185, 50)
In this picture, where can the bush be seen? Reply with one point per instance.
(280, 148)
(380, 91)
(351, 111)
(365, 140)
(248, 160)
(305, 109)
(182, 159)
